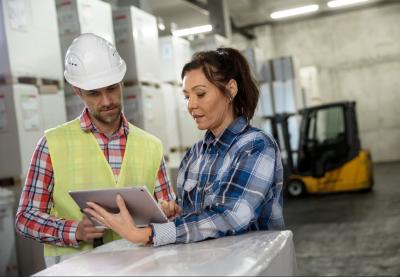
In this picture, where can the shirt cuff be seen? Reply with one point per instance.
(70, 228)
(164, 233)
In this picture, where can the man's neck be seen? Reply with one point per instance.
(106, 128)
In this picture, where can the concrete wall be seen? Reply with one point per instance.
(357, 55)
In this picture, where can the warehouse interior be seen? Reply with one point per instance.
(341, 51)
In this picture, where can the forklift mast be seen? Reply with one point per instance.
(280, 125)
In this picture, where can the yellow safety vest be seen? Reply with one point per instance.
(79, 163)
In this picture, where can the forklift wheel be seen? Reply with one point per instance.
(295, 188)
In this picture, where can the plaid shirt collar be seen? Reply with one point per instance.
(228, 136)
(88, 126)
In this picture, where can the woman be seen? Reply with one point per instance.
(230, 182)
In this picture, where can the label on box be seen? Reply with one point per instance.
(68, 21)
(19, 14)
(30, 111)
(121, 27)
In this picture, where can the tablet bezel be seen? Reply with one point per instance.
(138, 200)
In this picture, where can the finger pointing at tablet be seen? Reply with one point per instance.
(170, 208)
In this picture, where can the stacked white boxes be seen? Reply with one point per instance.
(144, 108)
(31, 95)
(284, 95)
(277, 96)
(262, 75)
(265, 101)
(31, 98)
(76, 17)
(172, 148)
(20, 128)
(175, 52)
(264, 109)
(30, 39)
(136, 39)
(189, 133)
(283, 85)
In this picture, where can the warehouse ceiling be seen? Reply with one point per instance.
(244, 14)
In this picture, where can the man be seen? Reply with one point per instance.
(100, 149)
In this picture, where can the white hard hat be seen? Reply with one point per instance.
(92, 62)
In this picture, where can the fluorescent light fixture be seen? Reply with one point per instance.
(340, 3)
(160, 23)
(192, 31)
(294, 11)
(161, 26)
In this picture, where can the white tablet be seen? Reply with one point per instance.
(138, 200)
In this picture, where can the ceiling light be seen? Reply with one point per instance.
(192, 31)
(294, 11)
(161, 26)
(340, 3)
(160, 23)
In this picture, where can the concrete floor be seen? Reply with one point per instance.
(349, 234)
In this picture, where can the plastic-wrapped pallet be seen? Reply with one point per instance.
(266, 253)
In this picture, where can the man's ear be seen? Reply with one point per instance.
(77, 91)
(232, 87)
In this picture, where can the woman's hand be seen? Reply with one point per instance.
(122, 223)
(170, 208)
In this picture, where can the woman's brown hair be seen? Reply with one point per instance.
(221, 66)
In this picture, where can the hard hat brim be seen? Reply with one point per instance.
(99, 80)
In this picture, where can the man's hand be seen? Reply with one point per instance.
(170, 208)
(86, 231)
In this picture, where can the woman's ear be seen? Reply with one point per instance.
(232, 87)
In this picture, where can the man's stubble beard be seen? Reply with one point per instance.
(108, 119)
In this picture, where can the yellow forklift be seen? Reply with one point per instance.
(329, 156)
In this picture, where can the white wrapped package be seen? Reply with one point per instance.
(266, 253)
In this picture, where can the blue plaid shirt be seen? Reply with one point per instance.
(227, 185)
